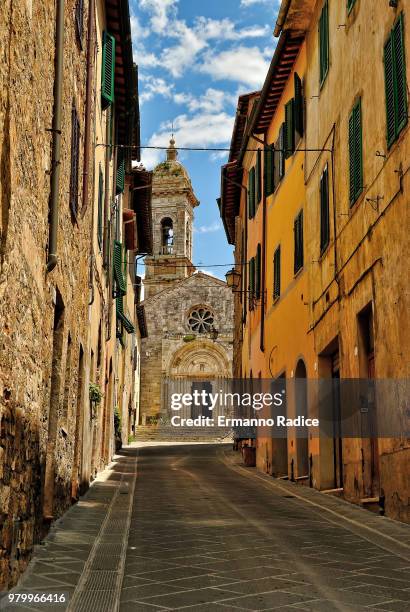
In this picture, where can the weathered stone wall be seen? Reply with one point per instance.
(27, 292)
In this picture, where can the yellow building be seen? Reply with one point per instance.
(335, 306)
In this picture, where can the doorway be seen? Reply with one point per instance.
(301, 402)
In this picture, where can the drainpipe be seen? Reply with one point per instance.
(56, 130)
(88, 100)
(283, 12)
(263, 262)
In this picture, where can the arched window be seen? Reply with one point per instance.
(187, 240)
(167, 236)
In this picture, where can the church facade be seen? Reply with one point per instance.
(189, 314)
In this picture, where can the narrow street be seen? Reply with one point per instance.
(203, 533)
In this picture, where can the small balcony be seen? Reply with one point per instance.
(167, 249)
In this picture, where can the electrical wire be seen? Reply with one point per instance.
(204, 149)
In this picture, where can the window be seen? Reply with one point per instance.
(276, 273)
(258, 187)
(108, 70)
(355, 153)
(201, 320)
(79, 20)
(350, 4)
(299, 123)
(289, 129)
(324, 210)
(120, 177)
(269, 170)
(100, 207)
(298, 237)
(258, 272)
(167, 236)
(119, 287)
(395, 82)
(251, 280)
(324, 43)
(75, 152)
(279, 158)
(251, 193)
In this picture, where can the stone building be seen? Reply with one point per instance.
(188, 313)
(333, 227)
(68, 107)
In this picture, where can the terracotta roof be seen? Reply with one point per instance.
(141, 204)
(231, 179)
(240, 124)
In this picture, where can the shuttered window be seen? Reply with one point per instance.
(258, 272)
(324, 42)
(269, 170)
(289, 128)
(324, 210)
(120, 177)
(119, 287)
(251, 279)
(395, 82)
(108, 68)
(279, 157)
(298, 106)
(276, 273)
(355, 153)
(121, 317)
(258, 177)
(298, 238)
(100, 207)
(251, 193)
(75, 153)
(350, 4)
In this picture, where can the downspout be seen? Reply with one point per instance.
(88, 101)
(56, 130)
(283, 12)
(263, 262)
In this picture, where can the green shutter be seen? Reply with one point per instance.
(258, 272)
(389, 87)
(120, 177)
(324, 210)
(350, 4)
(100, 207)
(324, 43)
(276, 273)
(120, 288)
(289, 128)
(269, 171)
(251, 277)
(251, 192)
(400, 74)
(298, 105)
(126, 323)
(298, 240)
(355, 153)
(108, 70)
(258, 177)
(281, 160)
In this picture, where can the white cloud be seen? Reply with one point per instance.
(210, 273)
(224, 29)
(153, 86)
(213, 100)
(138, 32)
(178, 57)
(200, 130)
(250, 2)
(161, 12)
(206, 229)
(217, 156)
(244, 64)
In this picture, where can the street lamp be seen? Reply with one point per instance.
(233, 279)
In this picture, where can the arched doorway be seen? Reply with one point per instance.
(301, 401)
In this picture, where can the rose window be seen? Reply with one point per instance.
(201, 320)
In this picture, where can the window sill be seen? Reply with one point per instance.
(298, 272)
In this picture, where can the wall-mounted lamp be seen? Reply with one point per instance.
(233, 279)
(213, 334)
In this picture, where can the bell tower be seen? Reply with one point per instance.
(173, 203)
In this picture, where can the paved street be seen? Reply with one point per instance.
(203, 533)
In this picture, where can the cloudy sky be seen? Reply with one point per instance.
(195, 57)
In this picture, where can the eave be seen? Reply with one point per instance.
(229, 202)
(141, 204)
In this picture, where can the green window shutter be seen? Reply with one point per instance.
(100, 207)
(289, 128)
(276, 273)
(298, 105)
(281, 160)
(324, 42)
(258, 177)
(298, 240)
(251, 277)
(121, 317)
(108, 70)
(120, 177)
(258, 272)
(350, 4)
(389, 87)
(400, 74)
(120, 288)
(355, 153)
(269, 170)
(251, 192)
(324, 210)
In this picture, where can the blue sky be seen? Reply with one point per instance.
(195, 57)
